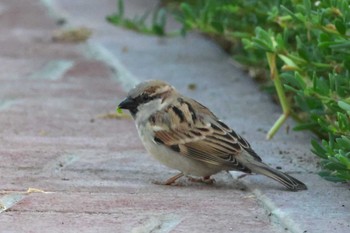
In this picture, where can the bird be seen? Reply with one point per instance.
(184, 135)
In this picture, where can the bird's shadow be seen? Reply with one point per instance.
(224, 181)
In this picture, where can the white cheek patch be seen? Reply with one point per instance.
(146, 110)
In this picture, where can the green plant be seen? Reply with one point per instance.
(139, 23)
(314, 50)
(335, 153)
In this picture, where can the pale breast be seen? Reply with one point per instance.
(172, 159)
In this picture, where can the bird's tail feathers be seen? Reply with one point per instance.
(288, 181)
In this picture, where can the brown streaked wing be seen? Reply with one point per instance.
(199, 140)
(193, 130)
(231, 135)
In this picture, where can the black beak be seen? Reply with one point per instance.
(128, 103)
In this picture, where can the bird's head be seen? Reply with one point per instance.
(147, 98)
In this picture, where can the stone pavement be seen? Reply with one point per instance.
(91, 174)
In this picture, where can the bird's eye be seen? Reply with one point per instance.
(146, 98)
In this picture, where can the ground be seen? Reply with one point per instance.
(64, 168)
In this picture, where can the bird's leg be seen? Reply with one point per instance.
(205, 179)
(208, 180)
(171, 180)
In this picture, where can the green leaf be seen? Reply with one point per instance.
(344, 142)
(287, 60)
(297, 17)
(305, 126)
(121, 8)
(187, 11)
(119, 110)
(343, 160)
(264, 39)
(318, 149)
(344, 105)
(307, 5)
(159, 22)
(321, 86)
(295, 80)
(290, 88)
(333, 164)
(331, 176)
(340, 26)
(113, 19)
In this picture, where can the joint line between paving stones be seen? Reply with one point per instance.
(122, 74)
(8, 201)
(158, 224)
(53, 70)
(53, 10)
(63, 212)
(278, 217)
(7, 103)
(96, 51)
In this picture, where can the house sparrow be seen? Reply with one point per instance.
(185, 135)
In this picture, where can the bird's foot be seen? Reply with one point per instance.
(206, 180)
(169, 181)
